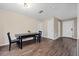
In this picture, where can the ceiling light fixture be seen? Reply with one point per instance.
(41, 11)
(27, 4)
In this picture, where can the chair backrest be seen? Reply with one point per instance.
(40, 32)
(8, 34)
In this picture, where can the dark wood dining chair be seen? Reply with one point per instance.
(12, 41)
(39, 36)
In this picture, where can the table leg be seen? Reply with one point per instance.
(34, 38)
(21, 43)
(39, 39)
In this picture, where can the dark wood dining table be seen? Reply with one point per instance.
(22, 36)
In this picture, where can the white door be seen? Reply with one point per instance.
(68, 28)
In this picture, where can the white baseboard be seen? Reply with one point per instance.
(59, 37)
(4, 44)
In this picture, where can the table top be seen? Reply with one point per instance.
(23, 34)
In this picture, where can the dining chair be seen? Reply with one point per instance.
(39, 36)
(12, 41)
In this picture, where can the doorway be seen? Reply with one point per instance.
(69, 28)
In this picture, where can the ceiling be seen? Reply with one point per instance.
(61, 10)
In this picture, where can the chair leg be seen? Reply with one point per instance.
(39, 39)
(9, 47)
(18, 44)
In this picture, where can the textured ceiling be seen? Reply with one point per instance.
(43, 10)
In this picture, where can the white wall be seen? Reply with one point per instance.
(40, 27)
(1, 32)
(56, 28)
(78, 29)
(50, 28)
(44, 23)
(15, 23)
(78, 21)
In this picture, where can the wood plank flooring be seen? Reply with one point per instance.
(47, 47)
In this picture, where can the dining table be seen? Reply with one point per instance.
(22, 36)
